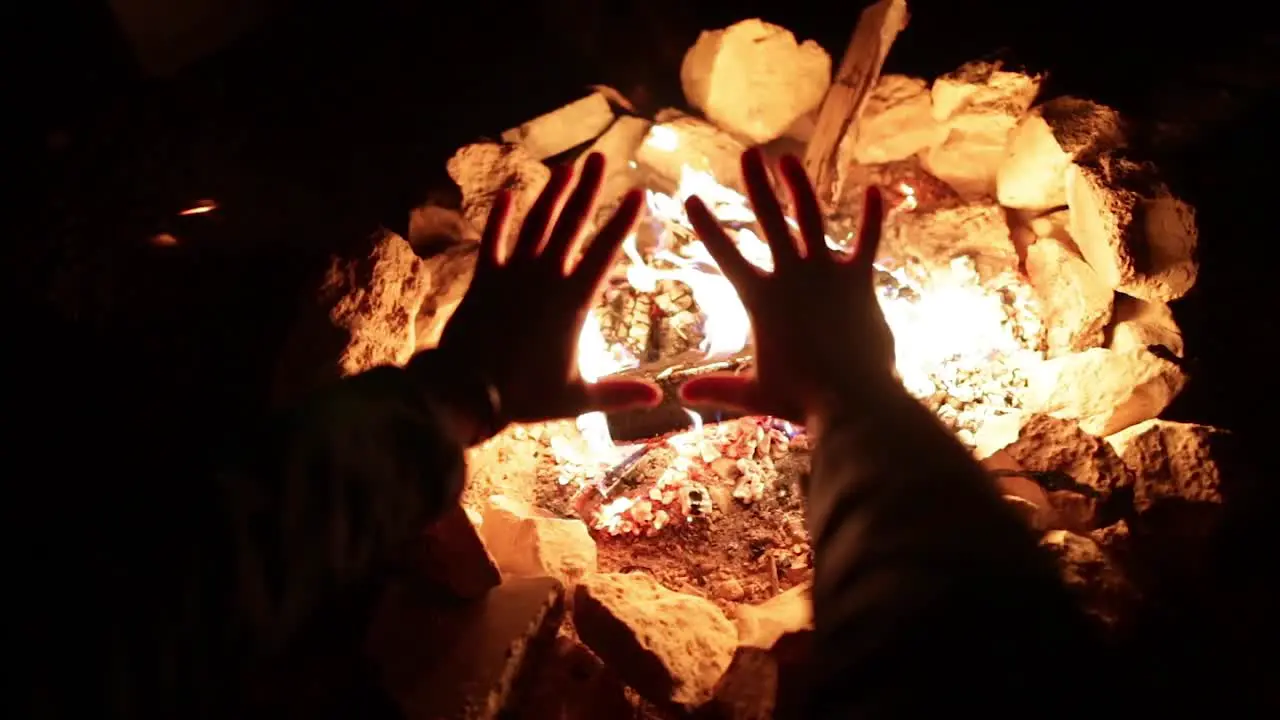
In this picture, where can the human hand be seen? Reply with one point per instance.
(517, 326)
(821, 341)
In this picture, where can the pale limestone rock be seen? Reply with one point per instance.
(1075, 303)
(1055, 509)
(1132, 230)
(1105, 390)
(1140, 324)
(432, 225)
(1172, 460)
(761, 625)
(618, 144)
(936, 236)
(526, 543)
(671, 647)
(979, 105)
(451, 556)
(1103, 589)
(447, 276)
(1047, 444)
(563, 128)
(482, 169)
(375, 298)
(896, 123)
(753, 79)
(676, 141)
(1043, 145)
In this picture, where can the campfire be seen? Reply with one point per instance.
(1027, 265)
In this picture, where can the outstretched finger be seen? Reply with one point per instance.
(543, 212)
(864, 253)
(729, 392)
(604, 249)
(767, 208)
(734, 266)
(608, 396)
(495, 228)
(813, 232)
(576, 211)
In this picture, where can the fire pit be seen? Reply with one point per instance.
(1025, 272)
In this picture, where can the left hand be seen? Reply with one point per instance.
(518, 324)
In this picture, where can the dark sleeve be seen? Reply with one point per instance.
(929, 594)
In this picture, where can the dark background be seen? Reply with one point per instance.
(313, 123)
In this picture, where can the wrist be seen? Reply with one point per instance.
(470, 401)
(852, 401)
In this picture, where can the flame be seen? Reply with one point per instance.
(956, 337)
(201, 207)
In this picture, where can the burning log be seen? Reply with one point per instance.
(670, 415)
(877, 28)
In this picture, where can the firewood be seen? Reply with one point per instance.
(877, 28)
(567, 127)
(670, 415)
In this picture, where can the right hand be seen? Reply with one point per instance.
(821, 340)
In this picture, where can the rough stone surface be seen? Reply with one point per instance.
(1104, 390)
(979, 105)
(1142, 324)
(1043, 145)
(936, 236)
(447, 275)
(375, 298)
(896, 123)
(1172, 460)
(483, 169)
(753, 79)
(761, 625)
(451, 556)
(471, 661)
(618, 144)
(676, 141)
(1130, 227)
(1103, 589)
(1047, 444)
(527, 543)
(672, 648)
(432, 225)
(1075, 303)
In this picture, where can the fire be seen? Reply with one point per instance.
(960, 344)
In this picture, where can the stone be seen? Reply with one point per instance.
(761, 625)
(1172, 460)
(1136, 234)
(573, 683)
(979, 105)
(753, 79)
(670, 647)
(362, 317)
(1142, 324)
(1103, 589)
(1074, 302)
(563, 128)
(896, 123)
(451, 557)
(1048, 444)
(1104, 390)
(618, 144)
(936, 236)
(1113, 539)
(1044, 144)
(447, 274)
(481, 170)
(432, 225)
(677, 141)
(526, 543)
(474, 660)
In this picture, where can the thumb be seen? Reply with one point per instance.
(613, 395)
(737, 392)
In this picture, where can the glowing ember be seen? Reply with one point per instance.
(200, 208)
(961, 343)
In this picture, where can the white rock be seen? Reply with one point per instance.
(1172, 460)
(1132, 230)
(1075, 303)
(677, 141)
(526, 544)
(563, 128)
(482, 169)
(1105, 390)
(896, 123)
(979, 105)
(1139, 323)
(753, 79)
(1043, 145)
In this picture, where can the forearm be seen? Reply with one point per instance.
(922, 574)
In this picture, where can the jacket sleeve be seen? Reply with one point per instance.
(929, 594)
